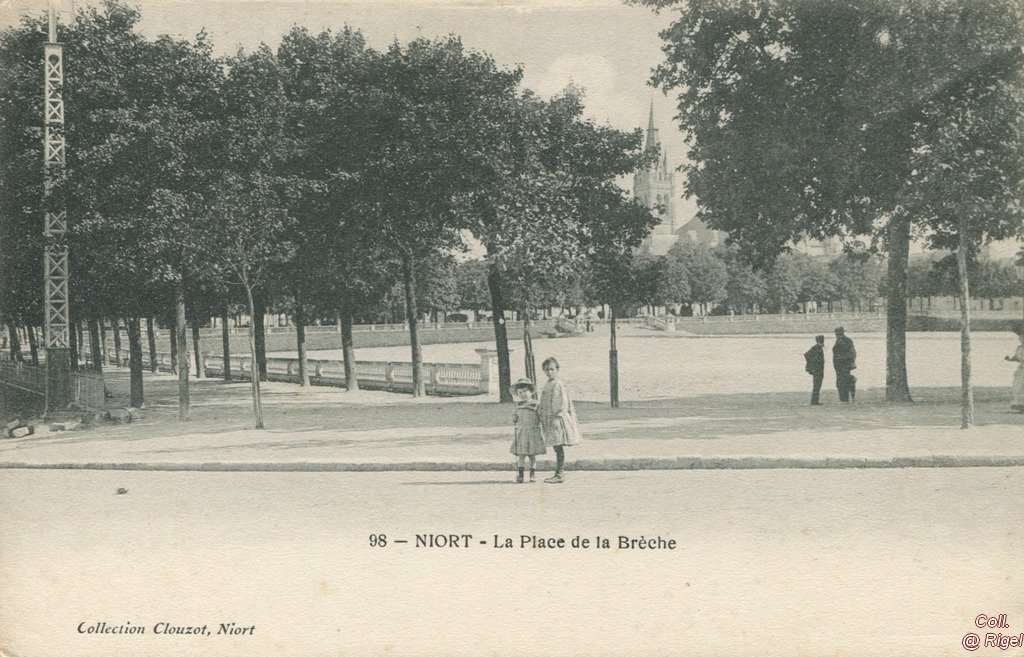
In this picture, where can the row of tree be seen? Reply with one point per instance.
(881, 118)
(320, 175)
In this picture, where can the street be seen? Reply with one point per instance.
(765, 562)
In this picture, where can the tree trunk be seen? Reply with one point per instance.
(197, 347)
(257, 321)
(257, 402)
(116, 327)
(300, 338)
(12, 332)
(181, 340)
(897, 388)
(966, 390)
(500, 333)
(529, 361)
(411, 315)
(102, 341)
(174, 348)
(348, 347)
(33, 344)
(135, 362)
(72, 343)
(151, 339)
(613, 359)
(225, 338)
(94, 344)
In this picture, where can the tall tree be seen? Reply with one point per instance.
(433, 113)
(618, 276)
(246, 225)
(804, 118)
(969, 168)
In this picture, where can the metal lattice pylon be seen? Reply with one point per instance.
(55, 266)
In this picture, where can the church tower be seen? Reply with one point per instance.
(655, 187)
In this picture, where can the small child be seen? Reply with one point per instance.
(528, 441)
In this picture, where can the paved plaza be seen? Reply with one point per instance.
(889, 563)
(721, 420)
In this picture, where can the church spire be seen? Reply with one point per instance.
(653, 141)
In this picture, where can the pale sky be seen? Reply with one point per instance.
(604, 45)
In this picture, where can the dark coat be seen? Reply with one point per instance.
(815, 357)
(844, 356)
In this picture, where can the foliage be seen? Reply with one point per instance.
(858, 278)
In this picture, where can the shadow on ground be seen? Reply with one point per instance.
(300, 419)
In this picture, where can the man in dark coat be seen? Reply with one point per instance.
(815, 357)
(844, 360)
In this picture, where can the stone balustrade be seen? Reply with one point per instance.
(442, 379)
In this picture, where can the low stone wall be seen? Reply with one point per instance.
(319, 338)
(927, 323)
(441, 379)
(817, 323)
(769, 324)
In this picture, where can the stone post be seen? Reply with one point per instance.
(489, 369)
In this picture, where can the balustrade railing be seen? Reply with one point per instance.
(440, 378)
(366, 328)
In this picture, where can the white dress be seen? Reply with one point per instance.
(558, 415)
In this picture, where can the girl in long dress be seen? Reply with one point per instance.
(1017, 400)
(558, 419)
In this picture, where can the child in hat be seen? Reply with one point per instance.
(528, 441)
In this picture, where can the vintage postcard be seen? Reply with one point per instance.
(526, 327)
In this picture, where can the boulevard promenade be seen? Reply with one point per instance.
(324, 429)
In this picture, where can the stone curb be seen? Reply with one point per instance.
(682, 463)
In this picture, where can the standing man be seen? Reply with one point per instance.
(844, 359)
(815, 357)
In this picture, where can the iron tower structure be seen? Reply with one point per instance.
(55, 258)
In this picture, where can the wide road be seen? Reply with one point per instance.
(782, 562)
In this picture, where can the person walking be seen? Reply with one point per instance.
(844, 360)
(558, 419)
(529, 439)
(1017, 399)
(815, 359)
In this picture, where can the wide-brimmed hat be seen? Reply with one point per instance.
(522, 383)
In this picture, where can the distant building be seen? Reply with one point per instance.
(655, 187)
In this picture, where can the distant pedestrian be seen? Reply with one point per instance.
(529, 438)
(815, 366)
(1017, 399)
(558, 418)
(844, 360)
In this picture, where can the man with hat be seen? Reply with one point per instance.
(844, 360)
(815, 358)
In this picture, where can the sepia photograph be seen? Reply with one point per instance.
(429, 328)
